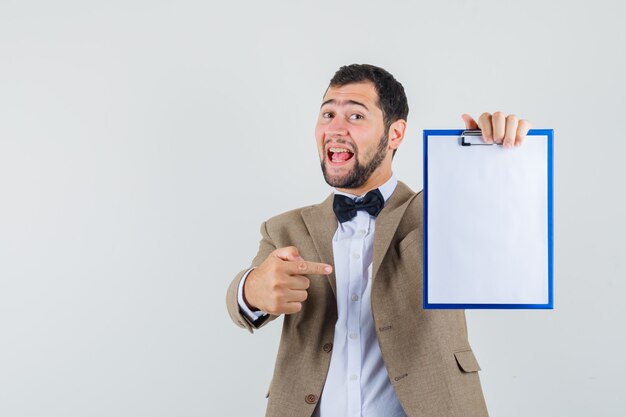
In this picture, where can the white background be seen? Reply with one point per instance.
(143, 143)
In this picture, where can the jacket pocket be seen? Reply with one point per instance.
(409, 239)
(467, 361)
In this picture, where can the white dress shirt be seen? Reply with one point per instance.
(357, 384)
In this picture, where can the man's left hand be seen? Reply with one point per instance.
(508, 131)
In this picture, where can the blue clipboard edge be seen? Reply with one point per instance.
(550, 304)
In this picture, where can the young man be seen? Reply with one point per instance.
(347, 274)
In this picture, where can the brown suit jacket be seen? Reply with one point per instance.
(426, 352)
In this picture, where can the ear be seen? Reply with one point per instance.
(396, 133)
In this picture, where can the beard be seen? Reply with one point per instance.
(361, 172)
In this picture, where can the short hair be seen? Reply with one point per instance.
(391, 97)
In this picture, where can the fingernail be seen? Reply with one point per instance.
(328, 269)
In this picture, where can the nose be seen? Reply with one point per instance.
(337, 127)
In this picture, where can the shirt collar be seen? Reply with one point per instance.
(385, 189)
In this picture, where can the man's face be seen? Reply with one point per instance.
(350, 134)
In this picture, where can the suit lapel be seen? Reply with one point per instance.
(321, 222)
(387, 222)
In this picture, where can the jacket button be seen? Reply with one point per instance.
(311, 399)
(328, 347)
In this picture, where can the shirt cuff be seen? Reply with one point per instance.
(252, 316)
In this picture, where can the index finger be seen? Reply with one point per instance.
(484, 123)
(308, 268)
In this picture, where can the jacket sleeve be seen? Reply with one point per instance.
(266, 246)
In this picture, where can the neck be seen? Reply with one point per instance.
(374, 181)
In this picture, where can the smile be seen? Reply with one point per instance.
(339, 155)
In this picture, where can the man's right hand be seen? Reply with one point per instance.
(278, 285)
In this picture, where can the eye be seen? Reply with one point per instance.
(356, 117)
(327, 115)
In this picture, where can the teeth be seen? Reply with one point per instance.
(339, 150)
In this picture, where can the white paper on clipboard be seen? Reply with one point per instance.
(488, 225)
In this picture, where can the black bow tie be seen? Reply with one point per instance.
(345, 208)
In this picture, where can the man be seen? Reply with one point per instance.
(347, 275)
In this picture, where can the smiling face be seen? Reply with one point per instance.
(351, 138)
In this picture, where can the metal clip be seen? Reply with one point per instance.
(474, 133)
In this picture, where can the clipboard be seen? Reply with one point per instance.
(488, 222)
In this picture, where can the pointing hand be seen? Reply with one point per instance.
(279, 285)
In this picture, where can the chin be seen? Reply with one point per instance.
(346, 180)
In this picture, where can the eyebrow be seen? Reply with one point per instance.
(342, 102)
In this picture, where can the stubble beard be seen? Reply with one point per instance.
(359, 173)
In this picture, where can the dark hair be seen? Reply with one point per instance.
(391, 97)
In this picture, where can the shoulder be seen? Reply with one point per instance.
(406, 194)
(294, 227)
(411, 203)
(295, 217)
(288, 217)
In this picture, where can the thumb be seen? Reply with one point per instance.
(288, 253)
(470, 123)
